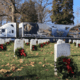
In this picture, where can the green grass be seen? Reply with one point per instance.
(38, 65)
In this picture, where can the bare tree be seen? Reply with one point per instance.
(42, 7)
(10, 8)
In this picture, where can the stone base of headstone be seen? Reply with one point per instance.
(55, 70)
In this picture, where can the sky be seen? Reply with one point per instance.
(76, 7)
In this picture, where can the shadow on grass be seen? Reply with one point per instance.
(19, 77)
(33, 56)
(75, 55)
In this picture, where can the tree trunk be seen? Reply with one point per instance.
(13, 14)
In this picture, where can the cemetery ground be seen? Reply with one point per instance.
(38, 65)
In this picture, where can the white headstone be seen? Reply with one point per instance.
(40, 41)
(2, 41)
(61, 49)
(26, 40)
(69, 40)
(7, 40)
(18, 43)
(74, 41)
(32, 42)
(60, 41)
(77, 42)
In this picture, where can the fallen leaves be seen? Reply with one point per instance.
(21, 60)
(21, 67)
(72, 49)
(43, 65)
(6, 55)
(32, 63)
(46, 69)
(51, 65)
(18, 69)
(40, 62)
(37, 54)
(4, 70)
(47, 63)
(51, 53)
(7, 64)
(2, 65)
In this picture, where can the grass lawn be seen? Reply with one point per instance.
(38, 65)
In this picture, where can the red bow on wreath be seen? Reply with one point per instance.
(41, 45)
(44, 43)
(1, 46)
(27, 43)
(69, 68)
(47, 42)
(7, 42)
(22, 52)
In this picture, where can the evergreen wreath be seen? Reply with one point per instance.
(34, 47)
(65, 69)
(41, 45)
(17, 52)
(3, 47)
(8, 43)
(26, 43)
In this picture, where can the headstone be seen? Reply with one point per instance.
(7, 40)
(36, 41)
(26, 40)
(23, 40)
(70, 41)
(18, 43)
(32, 42)
(2, 41)
(60, 49)
(78, 43)
(74, 41)
(40, 41)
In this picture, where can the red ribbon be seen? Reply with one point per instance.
(69, 68)
(79, 45)
(1, 46)
(22, 52)
(27, 43)
(41, 45)
(33, 47)
(7, 42)
(44, 43)
(47, 42)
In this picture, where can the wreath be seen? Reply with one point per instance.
(44, 43)
(26, 43)
(3, 47)
(66, 67)
(74, 43)
(34, 47)
(20, 52)
(41, 45)
(47, 43)
(70, 42)
(7, 43)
